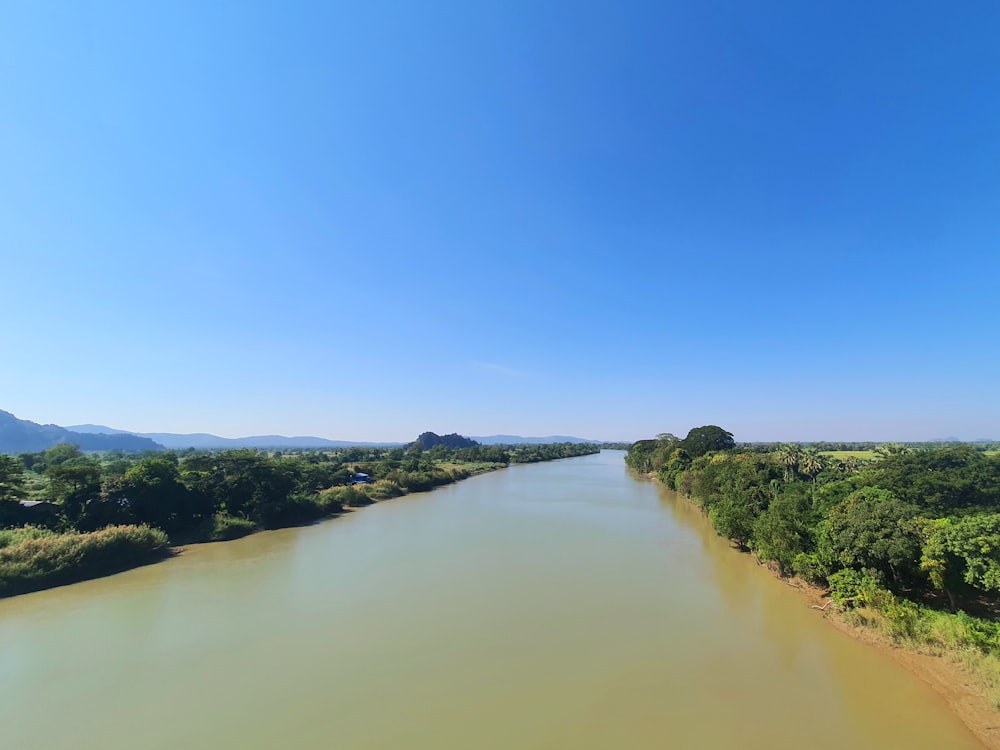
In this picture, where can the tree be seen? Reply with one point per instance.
(74, 482)
(811, 464)
(152, 490)
(701, 440)
(885, 450)
(782, 531)
(733, 519)
(61, 453)
(872, 530)
(242, 483)
(963, 552)
(788, 457)
(11, 478)
(944, 480)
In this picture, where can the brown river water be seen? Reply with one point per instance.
(564, 605)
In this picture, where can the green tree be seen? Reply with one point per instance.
(783, 530)
(243, 483)
(733, 519)
(12, 482)
(153, 492)
(873, 530)
(75, 483)
(963, 552)
(61, 453)
(701, 440)
(943, 481)
(788, 457)
(811, 464)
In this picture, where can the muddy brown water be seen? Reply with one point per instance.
(557, 605)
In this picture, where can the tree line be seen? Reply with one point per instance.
(180, 492)
(67, 515)
(908, 536)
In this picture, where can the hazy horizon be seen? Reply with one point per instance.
(486, 433)
(363, 222)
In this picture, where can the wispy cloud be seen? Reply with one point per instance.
(493, 367)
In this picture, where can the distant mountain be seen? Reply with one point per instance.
(23, 436)
(205, 441)
(98, 429)
(429, 439)
(517, 439)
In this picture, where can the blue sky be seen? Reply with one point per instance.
(367, 220)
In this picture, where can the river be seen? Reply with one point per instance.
(557, 605)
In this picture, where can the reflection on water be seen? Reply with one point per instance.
(558, 605)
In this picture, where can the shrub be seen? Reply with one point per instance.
(845, 587)
(52, 560)
(346, 497)
(11, 537)
(383, 489)
(809, 566)
(226, 527)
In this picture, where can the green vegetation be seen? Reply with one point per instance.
(907, 540)
(34, 559)
(841, 455)
(94, 514)
(428, 440)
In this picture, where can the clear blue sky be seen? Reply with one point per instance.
(366, 220)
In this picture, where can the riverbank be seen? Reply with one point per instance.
(967, 692)
(34, 558)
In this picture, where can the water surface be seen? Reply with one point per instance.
(558, 605)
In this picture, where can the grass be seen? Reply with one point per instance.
(38, 560)
(225, 528)
(13, 537)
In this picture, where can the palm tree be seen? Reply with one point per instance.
(788, 456)
(891, 449)
(811, 464)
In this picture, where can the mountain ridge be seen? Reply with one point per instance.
(518, 439)
(24, 436)
(208, 441)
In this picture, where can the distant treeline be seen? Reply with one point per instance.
(905, 538)
(983, 446)
(53, 502)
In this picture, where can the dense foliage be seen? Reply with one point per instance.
(909, 534)
(429, 440)
(31, 558)
(57, 504)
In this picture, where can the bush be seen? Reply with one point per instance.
(11, 537)
(346, 497)
(52, 560)
(226, 527)
(809, 566)
(383, 489)
(845, 587)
